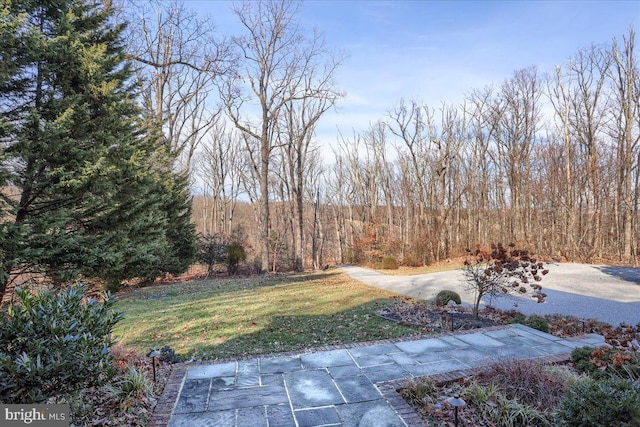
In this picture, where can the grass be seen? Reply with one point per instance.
(223, 318)
(413, 271)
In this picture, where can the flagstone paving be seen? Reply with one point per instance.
(345, 387)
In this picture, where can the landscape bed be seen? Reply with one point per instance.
(599, 386)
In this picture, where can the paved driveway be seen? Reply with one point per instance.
(610, 294)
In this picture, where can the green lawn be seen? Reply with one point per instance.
(235, 317)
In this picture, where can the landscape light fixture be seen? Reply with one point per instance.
(452, 313)
(456, 402)
(584, 321)
(153, 354)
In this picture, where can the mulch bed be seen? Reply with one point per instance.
(430, 318)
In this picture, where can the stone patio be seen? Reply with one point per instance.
(346, 386)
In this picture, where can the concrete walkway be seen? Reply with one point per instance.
(343, 386)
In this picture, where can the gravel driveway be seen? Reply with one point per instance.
(610, 294)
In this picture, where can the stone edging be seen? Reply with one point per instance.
(164, 408)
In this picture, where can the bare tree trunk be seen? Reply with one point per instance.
(624, 76)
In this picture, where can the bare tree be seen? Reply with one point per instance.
(479, 165)
(560, 92)
(625, 80)
(178, 59)
(295, 135)
(517, 119)
(220, 167)
(275, 61)
(441, 180)
(407, 122)
(429, 141)
(589, 68)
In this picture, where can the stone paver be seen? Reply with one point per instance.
(312, 389)
(344, 387)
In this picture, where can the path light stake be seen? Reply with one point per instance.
(153, 354)
(456, 402)
(452, 313)
(583, 324)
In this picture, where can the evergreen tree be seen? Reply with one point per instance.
(86, 189)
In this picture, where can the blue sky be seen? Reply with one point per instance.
(435, 51)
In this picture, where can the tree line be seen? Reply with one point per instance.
(113, 113)
(547, 159)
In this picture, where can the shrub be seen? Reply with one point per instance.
(134, 383)
(519, 318)
(581, 358)
(537, 322)
(112, 286)
(419, 391)
(604, 402)
(605, 362)
(443, 297)
(389, 263)
(236, 255)
(529, 382)
(500, 410)
(502, 271)
(212, 250)
(168, 355)
(54, 343)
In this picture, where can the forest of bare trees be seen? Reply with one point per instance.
(546, 158)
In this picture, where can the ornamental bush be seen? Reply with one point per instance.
(236, 255)
(212, 249)
(443, 297)
(602, 362)
(604, 402)
(168, 355)
(54, 343)
(535, 322)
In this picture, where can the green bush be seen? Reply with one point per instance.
(54, 343)
(581, 358)
(537, 322)
(167, 354)
(112, 285)
(443, 297)
(236, 255)
(389, 263)
(212, 250)
(519, 318)
(603, 362)
(604, 402)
